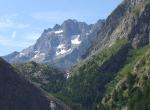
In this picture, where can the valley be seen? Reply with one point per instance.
(80, 66)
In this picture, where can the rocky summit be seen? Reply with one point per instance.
(63, 45)
(129, 20)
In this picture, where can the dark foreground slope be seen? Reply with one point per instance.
(18, 94)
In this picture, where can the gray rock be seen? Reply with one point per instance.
(62, 46)
(130, 20)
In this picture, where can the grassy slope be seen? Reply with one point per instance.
(133, 56)
(86, 86)
(129, 89)
(50, 79)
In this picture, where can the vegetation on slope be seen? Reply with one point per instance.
(133, 56)
(87, 85)
(131, 88)
(50, 79)
(140, 7)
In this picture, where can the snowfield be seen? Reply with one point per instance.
(76, 40)
(59, 32)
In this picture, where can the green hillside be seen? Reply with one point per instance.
(86, 87)
(50, 79)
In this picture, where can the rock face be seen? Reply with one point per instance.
(140, 34)
(130, 20)
(63, 45)
(114, 54)
(18, 94)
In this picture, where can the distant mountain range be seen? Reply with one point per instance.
(62, 46)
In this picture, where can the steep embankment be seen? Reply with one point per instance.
(130, 90)
(48, 79)
(129, 20)
(18, 94)
(116, 50)
(86, 87)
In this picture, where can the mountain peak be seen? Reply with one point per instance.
(56, 27)
(67, 42)
(70, 20)
(135, 2)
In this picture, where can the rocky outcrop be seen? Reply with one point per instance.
(62, 46)
(130, 20)
(140, 34)
(115, 62)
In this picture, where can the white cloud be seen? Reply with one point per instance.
(9, 21)
(13, 34)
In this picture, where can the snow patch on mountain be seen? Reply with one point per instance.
(63, 45)
(87, 33)
(62, 51)
(36, 51)
(39, 55)
(60, 46)
(59, 32)
(22, 54)
(76, 40)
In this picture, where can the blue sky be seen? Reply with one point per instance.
(22, 21)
